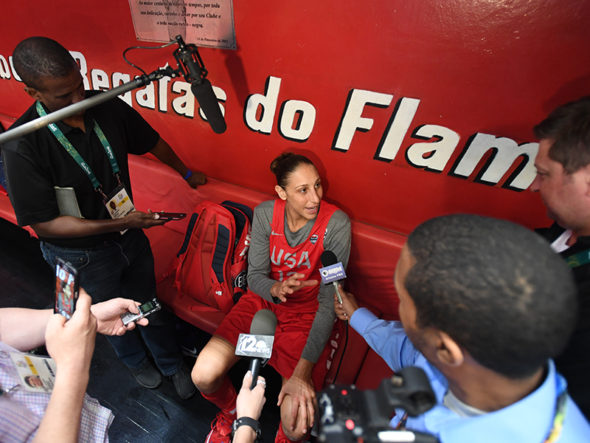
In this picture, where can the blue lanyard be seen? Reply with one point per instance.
(59, 135)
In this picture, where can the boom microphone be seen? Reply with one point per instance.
(258, 344)
(195, 73)
(203, 92)
(332, 271)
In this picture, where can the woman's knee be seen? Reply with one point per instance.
(296, 434)
(211, 366)
(294, 429)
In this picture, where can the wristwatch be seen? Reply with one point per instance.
(248, 422)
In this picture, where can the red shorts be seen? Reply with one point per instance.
(290, 336)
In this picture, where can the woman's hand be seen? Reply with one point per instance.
(250, 402)
(282, 289)
(302, 395)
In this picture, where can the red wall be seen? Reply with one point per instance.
(475, 66)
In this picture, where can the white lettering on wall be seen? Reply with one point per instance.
(504, 152)
(81, 60)
(118, 79)
(352, 120)
(432, 156)
(4, 68)
(267, 103)
(296, 120)
(146, 97)
(163, 94)
(100, 79)
(397, 128)
(14, 74)
(185, 104)
(491, 158)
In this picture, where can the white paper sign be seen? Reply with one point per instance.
(204, 23)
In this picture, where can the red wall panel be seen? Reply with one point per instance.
(487, 67)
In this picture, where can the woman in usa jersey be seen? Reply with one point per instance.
(289, 235)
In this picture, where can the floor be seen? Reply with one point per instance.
(141, 415)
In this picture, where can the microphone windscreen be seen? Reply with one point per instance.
(328, 258)
(263, 323)
(204, 94)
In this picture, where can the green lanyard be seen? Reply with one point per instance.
(579, 259)
(59, 135)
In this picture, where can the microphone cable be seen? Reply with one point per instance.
(172, 42)
(343, 351)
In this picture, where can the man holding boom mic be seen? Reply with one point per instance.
(70, 182)
(288, 237)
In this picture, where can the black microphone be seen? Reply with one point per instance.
(203, 91)
(332, 271)
(194, 72)
(258, 348)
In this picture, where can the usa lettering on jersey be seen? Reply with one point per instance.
(296, 262)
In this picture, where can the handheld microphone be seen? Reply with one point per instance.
(194, 72)
(332, 271)
(258, 344)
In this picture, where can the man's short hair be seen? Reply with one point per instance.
(569, 128)
(495, 287)
(38, 57)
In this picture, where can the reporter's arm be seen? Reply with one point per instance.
(61, 421)
(249, 404)
(166, 155)
(108, 316)
(68, 226)
(23, 329)
(71, 345)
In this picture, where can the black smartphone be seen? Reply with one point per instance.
(67, 286)
(167, 216)
(145, 309)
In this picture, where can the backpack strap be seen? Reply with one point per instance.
(189, 232)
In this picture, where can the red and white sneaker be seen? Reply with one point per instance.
(221, 428)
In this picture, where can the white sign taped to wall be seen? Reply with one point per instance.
(207, 23)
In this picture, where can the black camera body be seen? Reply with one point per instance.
(349, 415)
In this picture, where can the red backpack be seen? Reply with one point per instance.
(212, 262)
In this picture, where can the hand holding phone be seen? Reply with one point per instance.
(67, 285)
(167, 216)
(144, 310)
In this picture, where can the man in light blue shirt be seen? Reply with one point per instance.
(484, 306)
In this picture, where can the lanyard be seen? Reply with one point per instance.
(556, 427)
(579, 259)
(555, 431)
(59, 135)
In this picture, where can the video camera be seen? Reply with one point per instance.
(350, 415)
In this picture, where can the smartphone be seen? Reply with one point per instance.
(145, 309)
(67, 286)
(167, 216)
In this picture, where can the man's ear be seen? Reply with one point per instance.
(586, 170)
(32, 92)
(281, 192)
(448, 351)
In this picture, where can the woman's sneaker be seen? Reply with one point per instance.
(221, 428)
